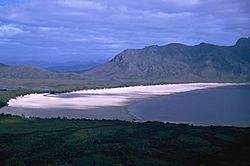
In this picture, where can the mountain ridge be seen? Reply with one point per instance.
(174, 62)
(28, 72)
(177, 62)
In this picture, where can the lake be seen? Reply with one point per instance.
(216, 106)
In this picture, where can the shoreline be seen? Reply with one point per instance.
(109, 103)
(190, 122)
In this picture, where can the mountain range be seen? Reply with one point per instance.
(179, 63)
(154, 64)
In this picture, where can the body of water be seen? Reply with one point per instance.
(216, 106)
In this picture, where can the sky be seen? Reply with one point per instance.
(53, 32)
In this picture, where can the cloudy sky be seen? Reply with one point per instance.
(49, 32)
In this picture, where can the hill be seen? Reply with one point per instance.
(15, 77)
(3, 65)
(172, 63)
(74, 68)
(27, 72)
(33, 141)
(179, 63)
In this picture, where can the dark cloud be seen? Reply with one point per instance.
(84, 30)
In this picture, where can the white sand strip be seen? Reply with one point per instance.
(84, 101)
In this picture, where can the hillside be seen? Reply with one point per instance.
(15, 77)
(33, 141)
(153, 64)
(74, 68)
(27, 72)
(3, 65)
(179, 63)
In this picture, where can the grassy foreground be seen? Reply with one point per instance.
(37, 142)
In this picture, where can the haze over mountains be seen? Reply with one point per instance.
(74, 67)
(28, 72)
(170, 63)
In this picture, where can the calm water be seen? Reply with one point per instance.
(219, 106)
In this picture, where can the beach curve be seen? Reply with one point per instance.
(110, 103)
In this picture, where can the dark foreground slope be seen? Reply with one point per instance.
(107, 143)
(179, 63)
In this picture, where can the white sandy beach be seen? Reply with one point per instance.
(96, 104)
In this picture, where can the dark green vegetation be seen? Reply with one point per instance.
(61, 85)
(47, 84)
(180, 63)
(6, 95)
(90, 142)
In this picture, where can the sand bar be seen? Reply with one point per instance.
(96, 104)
